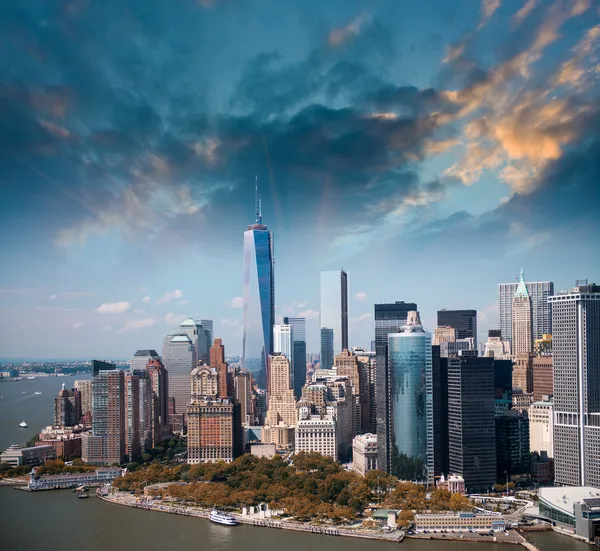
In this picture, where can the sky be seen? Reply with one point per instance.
(429, 148)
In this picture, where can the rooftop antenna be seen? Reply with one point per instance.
(260, 210)
(256, 207)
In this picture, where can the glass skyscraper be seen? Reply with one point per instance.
(410, 426)
(259, 297)
(333, 311)
(326, 348)
(389, 318)
(299, 348)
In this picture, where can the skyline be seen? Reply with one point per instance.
(430, 156)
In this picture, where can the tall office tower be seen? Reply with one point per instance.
(576, 356)
(67, 408)
(348, 364)
(217, 360)
(523, 372)
(259, 296)
(407, 430)
(326, 348)
(471, 424)
(333, 313)
(133, 448)
(389, 318)
(141, 358)
(541, 428)
(439, 376)
(85, 387)
(543, 380)
(282, 403)
(207, 325)
(464, 321)
(179, 357)
(503, 389)
(522, 342)
(299, 352)
(541, 319)
(444, 334)
(454, 348)
(283, 344)
(200, 337)
(242, 392)
(368, 359)
(106, 444)
(512, 444)
(160, 400)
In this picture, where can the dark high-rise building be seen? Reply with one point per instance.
(67, 408)
(326, 348)
(513, 456)
(160, 400)
(439, 371)
(502, 385)
(464, 321)
(259, 297)
(299, 352)
(333, 312)
(471, 426)
(389, 318)
(576, 357)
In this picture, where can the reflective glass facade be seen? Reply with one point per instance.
(259, 297)
(411, 404)
(299, 346)
(333, 311)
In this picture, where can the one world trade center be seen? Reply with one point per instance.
(259, 298)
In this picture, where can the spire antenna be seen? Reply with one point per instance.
(256, 207)
(260, 210)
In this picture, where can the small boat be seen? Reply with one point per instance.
(37, 392)
(222, 518)
(23, 425)
(82, 492)
(30, 378)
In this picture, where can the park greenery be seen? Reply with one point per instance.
(311, 487)
(53, 466)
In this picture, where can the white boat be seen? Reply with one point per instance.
(37, 393)
(23, 425)
(222, 518)
(30, 378)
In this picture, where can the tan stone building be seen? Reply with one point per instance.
(521, 320)
(543, 377)
(217, 362)
(444, 333)
(205, 382)
(523, 372)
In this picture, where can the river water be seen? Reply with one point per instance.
(45, 521)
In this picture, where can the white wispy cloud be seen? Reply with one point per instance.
(237, 302)
(174, 319)
(136, 325)
(169, 296)
(113, 307)
(361, 295)
(309, 314)
(146, 299)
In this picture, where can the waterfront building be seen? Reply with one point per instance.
(543, 378)
(541, 428)
(317, 433)
(106, 444)
(66, 447)
(99, 477)
(522, 342)
(258, 297)
(459, 522)
(333, 312)
(541, 318)
(512, 444)
(472, 433)
(67, 408)
(364, 453)
(523, 372)
(214, 431)
(578, 507)
(576, 357)
(17, 456)
(179, 357)
(463, 321)
(326, 348)
(496, 346)
(298, 352)
(389, 318)
(138, 413)
(159, 378)
(444, 334)
(141, 358)
(406, 433)
(543, 346)
(217, 361)
(85, 388)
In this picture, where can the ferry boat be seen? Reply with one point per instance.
(222, 518)
(82, 492)
(23, 425)
(37, 392)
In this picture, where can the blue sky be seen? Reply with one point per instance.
(430, 148)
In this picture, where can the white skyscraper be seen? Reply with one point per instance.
(283, 341)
